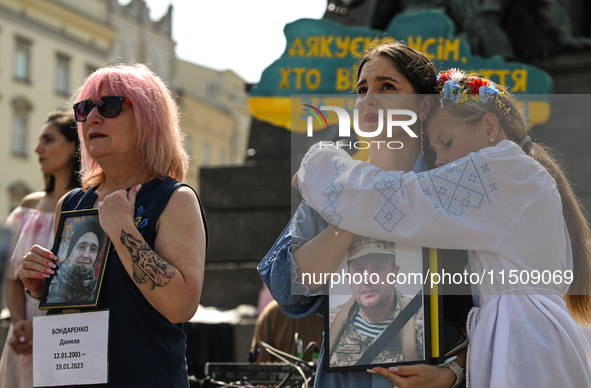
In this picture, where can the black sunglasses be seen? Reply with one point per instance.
(110, 107)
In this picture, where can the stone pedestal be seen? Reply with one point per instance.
(247, 208)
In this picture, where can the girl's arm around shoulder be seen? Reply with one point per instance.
(465, 204)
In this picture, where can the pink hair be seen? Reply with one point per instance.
(158, 135)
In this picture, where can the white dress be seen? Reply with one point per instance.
(505, 209)
(28, 227)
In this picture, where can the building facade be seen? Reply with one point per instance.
(141, 39)
(48, 48)
(215, 116)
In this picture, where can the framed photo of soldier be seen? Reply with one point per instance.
(378, 313)
(82, 249)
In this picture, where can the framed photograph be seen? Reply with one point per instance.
(381, 312)
(82, 249)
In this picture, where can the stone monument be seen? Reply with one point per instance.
(248, 207)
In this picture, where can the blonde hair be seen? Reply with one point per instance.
(158, 135)
(514, 127)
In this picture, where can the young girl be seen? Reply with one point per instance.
(503, 198)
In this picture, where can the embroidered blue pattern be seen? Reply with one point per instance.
(138, 221)
(298, 218)
(459, 187)
(332, 193)
(300, 214)
(389, 215)
(454, 190)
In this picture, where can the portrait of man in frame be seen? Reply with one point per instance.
(359, 319)
(82, 248)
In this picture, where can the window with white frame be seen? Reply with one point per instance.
(19, 126)
(62, 75)
(22, 60)
(19, 134)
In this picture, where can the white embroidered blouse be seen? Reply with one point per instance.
(502, 206)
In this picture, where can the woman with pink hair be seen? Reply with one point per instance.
(133, 163)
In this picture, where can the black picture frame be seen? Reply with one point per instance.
(80, 268)
(342, 354)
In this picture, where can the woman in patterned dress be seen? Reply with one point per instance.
(32, 223)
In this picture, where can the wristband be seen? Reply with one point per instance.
(458, 371)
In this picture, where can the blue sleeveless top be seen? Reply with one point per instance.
(145, 349)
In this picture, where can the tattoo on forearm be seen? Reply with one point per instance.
(148, 267)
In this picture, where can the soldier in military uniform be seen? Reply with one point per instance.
(357, 324)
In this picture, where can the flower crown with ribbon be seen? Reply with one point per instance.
(458, 87)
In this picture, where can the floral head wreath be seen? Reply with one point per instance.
(458, 87)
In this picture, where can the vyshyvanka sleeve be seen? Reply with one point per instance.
(467, 204)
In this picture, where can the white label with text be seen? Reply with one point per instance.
(70, 349)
